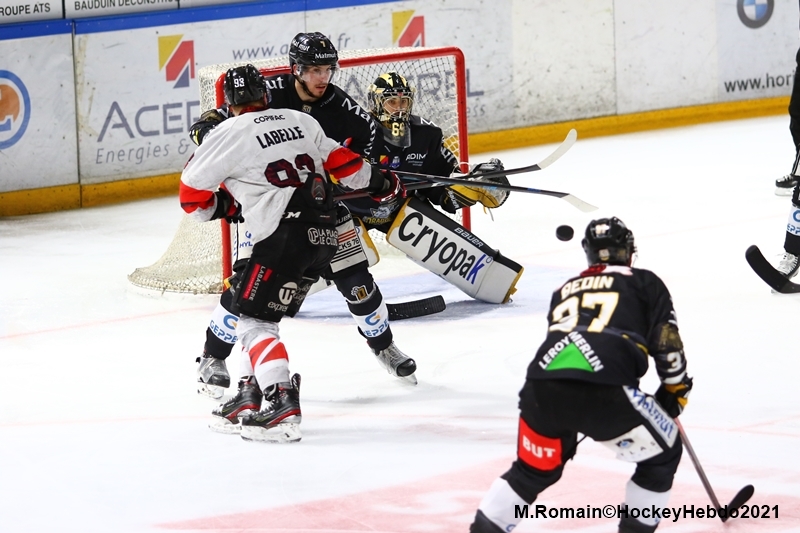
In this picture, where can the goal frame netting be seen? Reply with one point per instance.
(199, 257)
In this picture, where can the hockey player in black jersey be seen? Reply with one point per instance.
(309, 88)
(604, 326)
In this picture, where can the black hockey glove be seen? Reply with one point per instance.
(206, 123)
(391, 190)
(489, 197)
(227, 208)
(673, 398)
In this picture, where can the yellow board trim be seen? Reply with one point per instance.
(48, 199)
(62, 197)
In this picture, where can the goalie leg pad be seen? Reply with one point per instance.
(443, 246)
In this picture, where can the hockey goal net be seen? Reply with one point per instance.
(199, 256)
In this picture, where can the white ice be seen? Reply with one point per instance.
(101, 429)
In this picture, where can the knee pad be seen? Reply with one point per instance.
(444, 247)
(263, 293)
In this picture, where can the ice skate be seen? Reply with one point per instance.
(397, 363)
(785, 186)
(279, 421)
(788, 265)
(227, 417)
(212, 376)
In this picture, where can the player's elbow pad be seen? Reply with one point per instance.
(668, 354)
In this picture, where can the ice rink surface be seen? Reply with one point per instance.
(101, 430)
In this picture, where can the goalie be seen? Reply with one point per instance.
(407, 142)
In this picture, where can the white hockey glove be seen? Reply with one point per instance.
(488, 196)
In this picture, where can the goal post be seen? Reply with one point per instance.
(197, 261)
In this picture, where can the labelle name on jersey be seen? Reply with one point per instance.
(280, 135)
(586, 284)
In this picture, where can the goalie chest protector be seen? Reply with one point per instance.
(441, 245)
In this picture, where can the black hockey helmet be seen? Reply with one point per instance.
(245, 84)
(608, 240)
(393, 89)
(314, 48)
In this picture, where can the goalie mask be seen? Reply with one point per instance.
(313, 52)
(608, 240)
(245, 84)
(391, 100)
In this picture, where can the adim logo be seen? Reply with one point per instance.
(15, 109)
(407, 29)
(176, 57)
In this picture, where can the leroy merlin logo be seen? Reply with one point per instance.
(572, 352)
(176, 57)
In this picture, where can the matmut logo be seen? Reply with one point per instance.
(178, 58)
(15, 109)
(407, 29)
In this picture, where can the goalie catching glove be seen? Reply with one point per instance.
(465, 196)
(227, 208)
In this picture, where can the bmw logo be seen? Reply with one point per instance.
(15, 109)
(755, 13)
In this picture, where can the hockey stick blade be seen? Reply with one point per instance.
(742, 497)
(566, 144)
(768, 273)
(416, 308)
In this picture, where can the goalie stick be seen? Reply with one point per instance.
(744, 494)
(768, 273)
(426, 179)
(416, 308)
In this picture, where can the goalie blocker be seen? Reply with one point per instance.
(441, 245)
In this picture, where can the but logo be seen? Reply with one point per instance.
(408, 30)
(178, 58)
(15, 109)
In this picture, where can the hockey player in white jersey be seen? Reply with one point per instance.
(275, 168)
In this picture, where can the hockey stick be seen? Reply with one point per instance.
(768, 273)
(741, 497)
(574, 200)
(416, 308)
(427, 178)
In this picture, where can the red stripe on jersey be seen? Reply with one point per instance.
(343, 163)
(538, 451)
(193, 199)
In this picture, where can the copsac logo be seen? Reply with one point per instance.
(15, 109)
(178, 58)
(754, 13)
(408, 30)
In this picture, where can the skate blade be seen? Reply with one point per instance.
(214, 392)
(411, 379)
(781, 191)
(281, 433)
(224, 426)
